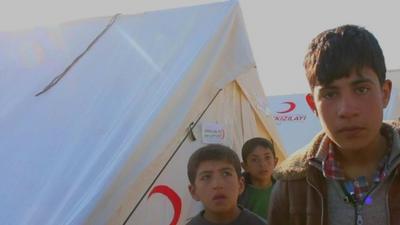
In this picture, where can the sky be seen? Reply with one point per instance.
(279, 31)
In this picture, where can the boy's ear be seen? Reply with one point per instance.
(192, 190)
(311, 103)
(387, 89)
(241, 184)
(276, 161)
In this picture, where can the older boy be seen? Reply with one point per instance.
(214, 175)
(348, 174)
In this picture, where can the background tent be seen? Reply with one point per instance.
(297, 123)
(98, 117)
(394, 76)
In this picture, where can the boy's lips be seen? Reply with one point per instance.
(219, 197)
(350, 130)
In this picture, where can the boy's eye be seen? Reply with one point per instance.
(226, 173)
(329, 94)
(205, 177)
(362, 90)
(254, 160)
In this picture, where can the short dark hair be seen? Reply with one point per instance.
(213, 152)
(334, 53)
(253, 143)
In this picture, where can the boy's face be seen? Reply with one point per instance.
(351, 108)
(217, 186)
(260, 163)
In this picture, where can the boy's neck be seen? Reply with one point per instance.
(222, 218)
(261, 183)
(363, 162)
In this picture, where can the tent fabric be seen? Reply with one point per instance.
(93, 147)
(394, 76)
(392, 111)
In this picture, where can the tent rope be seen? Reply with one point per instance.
(191, 126)
(61, 75)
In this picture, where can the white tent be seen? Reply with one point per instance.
(297, 124)
(394, 76)
(127, 100)
(392, 111)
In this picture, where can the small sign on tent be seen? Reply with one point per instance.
(212, 133)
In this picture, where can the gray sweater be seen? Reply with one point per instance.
(342, 212)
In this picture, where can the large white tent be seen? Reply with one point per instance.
(98, 117)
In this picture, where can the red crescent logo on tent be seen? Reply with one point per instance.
(292, 106)
(173, 197)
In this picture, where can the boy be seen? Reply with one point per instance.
(259, 161)
(215, 181)
(348, 174)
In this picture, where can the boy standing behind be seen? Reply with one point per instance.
(259, 162)
(215, 181)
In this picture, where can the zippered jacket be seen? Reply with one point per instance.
(300, 192)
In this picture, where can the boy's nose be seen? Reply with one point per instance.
(217, 183)
(262, 163)
(347, 107)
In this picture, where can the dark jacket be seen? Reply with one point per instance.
(300, 193)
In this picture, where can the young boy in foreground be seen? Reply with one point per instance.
(348, 174)
(215, 180)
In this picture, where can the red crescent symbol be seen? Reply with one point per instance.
(173, 197)
(292, 106)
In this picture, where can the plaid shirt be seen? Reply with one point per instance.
(359, 187)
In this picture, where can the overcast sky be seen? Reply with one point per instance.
(279, 31)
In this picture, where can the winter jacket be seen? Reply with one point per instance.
(300, 193)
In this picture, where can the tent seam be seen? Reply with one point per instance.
(62, 74)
